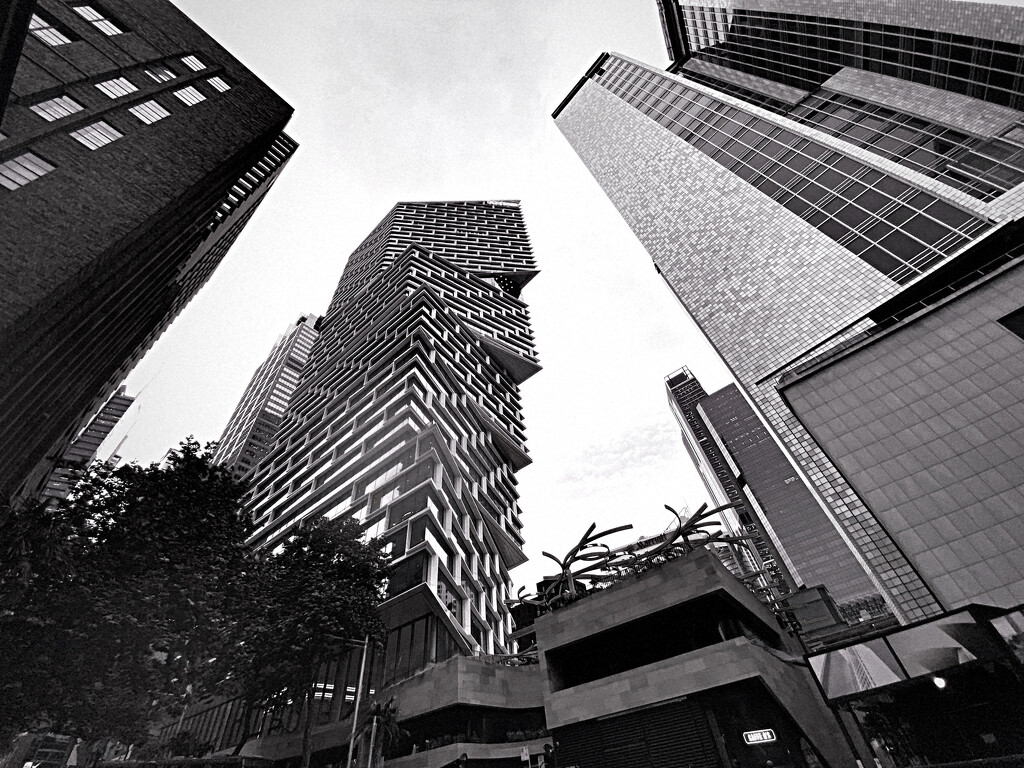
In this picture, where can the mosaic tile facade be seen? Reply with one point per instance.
(789, 289)
(762, 285)
(911, 128)
(927, 422)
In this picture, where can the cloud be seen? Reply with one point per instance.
(631, 452)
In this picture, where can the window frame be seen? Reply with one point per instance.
(104, 22)
(56, 108)
(113, 88)
(197, 66)
(51, 30)
(145, 111)
(13, 174)
(96, 135)
(185, 95)
(219, 84)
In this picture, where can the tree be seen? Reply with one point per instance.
(303, 605)
(34, 544)
(115, 601)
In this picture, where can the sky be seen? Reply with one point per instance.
(407, 100)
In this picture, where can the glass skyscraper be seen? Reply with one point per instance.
(250, 430)
(797, 166)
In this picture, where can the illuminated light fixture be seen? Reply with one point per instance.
(940, 682)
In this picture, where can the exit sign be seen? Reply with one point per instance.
(759, 737)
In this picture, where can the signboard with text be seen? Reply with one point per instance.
(763, 736)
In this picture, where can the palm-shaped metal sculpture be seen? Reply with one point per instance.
(382, 728)
(591, 564)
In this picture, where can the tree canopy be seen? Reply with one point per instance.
(304, 605)
(138, 595)
(113, 601)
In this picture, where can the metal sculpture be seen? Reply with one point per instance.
(592, 565)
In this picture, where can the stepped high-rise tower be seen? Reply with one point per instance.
(408, 419)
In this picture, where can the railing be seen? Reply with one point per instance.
(1008, 761)
(225, 761)
(508, 659)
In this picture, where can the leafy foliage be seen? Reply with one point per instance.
(113, 602)
(138, 595)
(303, 606)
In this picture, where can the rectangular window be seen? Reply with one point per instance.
(160, 74)
(47, 32)
(1015, 134)
(96, 135)
(193, 63)
(149, 112)
(219, 84)
(20, 170)
(99, 19)
(190, 96)
(1013, 322)
(120, 86)
(54, 109)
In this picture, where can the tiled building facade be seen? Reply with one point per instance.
(926, 420)
(799, 165)
(250, 430)
(408, 419)
(796, 545)
(134, 149)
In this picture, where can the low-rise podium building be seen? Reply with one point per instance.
(681, 665)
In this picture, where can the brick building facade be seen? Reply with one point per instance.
(135, 149)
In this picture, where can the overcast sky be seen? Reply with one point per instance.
(433, 100)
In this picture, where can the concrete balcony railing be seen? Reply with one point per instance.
(448, 754)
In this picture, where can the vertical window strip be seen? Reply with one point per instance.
(120, 86)
(219, 84)
(149, 112)
(193, 63)
(96, 135)
(46, 32)
(19, 171)
(54, 109)
(190, 96)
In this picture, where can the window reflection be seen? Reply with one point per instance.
(782, 164)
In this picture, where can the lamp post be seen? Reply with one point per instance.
(373, 738)
(355, 712)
